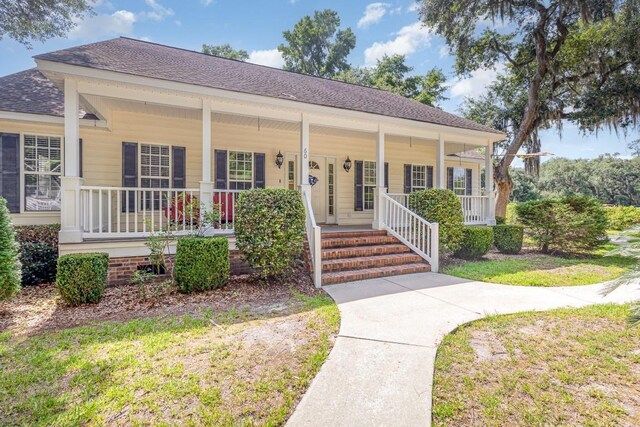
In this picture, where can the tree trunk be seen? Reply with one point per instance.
(504, 184)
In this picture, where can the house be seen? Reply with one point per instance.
(110, 139)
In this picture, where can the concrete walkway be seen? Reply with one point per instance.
(380, 371)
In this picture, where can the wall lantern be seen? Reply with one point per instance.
(279, 159)
(347, 164)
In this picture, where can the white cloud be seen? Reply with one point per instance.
(269, 57)
(207, 2)
(444, 51)
(413, 7)
(373, 14)
(96, 26)
(476, 84)
(408, 40)
(157, 12)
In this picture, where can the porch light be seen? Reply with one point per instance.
(347, 164)
(279, 159)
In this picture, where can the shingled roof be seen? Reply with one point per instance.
(135, 57)
(32, 93)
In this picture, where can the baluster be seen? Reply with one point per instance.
(100, 211)
(110, 216)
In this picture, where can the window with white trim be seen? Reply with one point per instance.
(42, 170)
(369, 184)
(155, 166)
(418, 177)
(459, 181)
(240, 170)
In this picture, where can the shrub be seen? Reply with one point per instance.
(511, 216)
(81, 278)
(443, 207)
(270, 229)
(9, 262)
(567, 224)
(501, 220)
(38, 252)
(507, 238)
(623, 217)
(202, 263)
(476, 242)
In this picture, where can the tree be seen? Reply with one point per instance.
(28, 20)
(225, 51)
(634, 147)
(316, 46)
(577, 61)
(524, 187)
(9, 259)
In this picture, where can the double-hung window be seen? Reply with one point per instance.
(42, 171)
(369, 184)
(459, 181)
(418, 177)
(240, 170)
(155, 166)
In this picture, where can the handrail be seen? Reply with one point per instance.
(314, 239)
(412, 230)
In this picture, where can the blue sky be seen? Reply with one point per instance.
(256, 26)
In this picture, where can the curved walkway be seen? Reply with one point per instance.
(380, 371)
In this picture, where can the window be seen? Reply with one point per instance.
(459, 181)
(42, 170)
(155, 165)
(369, 184)
(331, 184)
(418, 177)
(240, 170)
(291, 175)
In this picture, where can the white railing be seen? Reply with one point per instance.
(314, 240)
(137, 212)
(412, 230)
(401, 198)
(474, 209)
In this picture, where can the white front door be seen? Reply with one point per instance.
(318, 181)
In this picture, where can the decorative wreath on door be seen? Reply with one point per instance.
(313, 180)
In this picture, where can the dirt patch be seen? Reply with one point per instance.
(487, 346)
(38, 308)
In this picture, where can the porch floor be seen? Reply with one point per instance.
(333, 228)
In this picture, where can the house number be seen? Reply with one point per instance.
(306, 154)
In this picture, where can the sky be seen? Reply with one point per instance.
(256, 26)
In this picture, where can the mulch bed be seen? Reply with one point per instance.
(38, 308)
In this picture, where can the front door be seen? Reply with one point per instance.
(318, 181)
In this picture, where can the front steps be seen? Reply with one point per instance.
(358, 255)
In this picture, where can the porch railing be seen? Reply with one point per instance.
(314, 240)
(475, 209)
(137, 212)
(412, 230)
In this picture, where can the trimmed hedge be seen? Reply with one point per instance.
(9, 262)
(270, 229)
(81, 278)
(443, 207)
(202, 263)
(508, 238)
(565, 224)
(476, 242)
(38, 252)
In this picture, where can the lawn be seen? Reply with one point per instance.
(534, 269)
(236, 367)
(576, 367)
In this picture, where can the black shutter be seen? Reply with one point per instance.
(450, 178)
(468, 184)
(358, 189)
(258, 170)
(407, 179)
(429, 176)
(179, 155)
(129, 173)
(10, 171)
(386, 176)
(80, 171)
(221, 169)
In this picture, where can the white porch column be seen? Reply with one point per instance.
(441, 181)
(206, 185)
(378, 212)
(70, 182)
(304, 154)
(488, 179)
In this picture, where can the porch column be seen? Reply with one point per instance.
(378, 211)
(70, 182)
(206, 185)
(304, 154)
(488, 180)
(441, 181)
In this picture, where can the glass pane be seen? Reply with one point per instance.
(42, 192)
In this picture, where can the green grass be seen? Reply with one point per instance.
(210, 369)
(576, 367)
(545, 270)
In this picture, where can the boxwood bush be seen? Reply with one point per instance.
(9, 262)
(507, 238)
(565, 224)
(270, 229)
(81, 278)
(202, 263)
(443, 207)
(476, 242)
(38, 252)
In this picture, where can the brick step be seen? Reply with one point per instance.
(361, 251)
(372, 273)
(342, 242)
(366, 233)
(360, 263)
